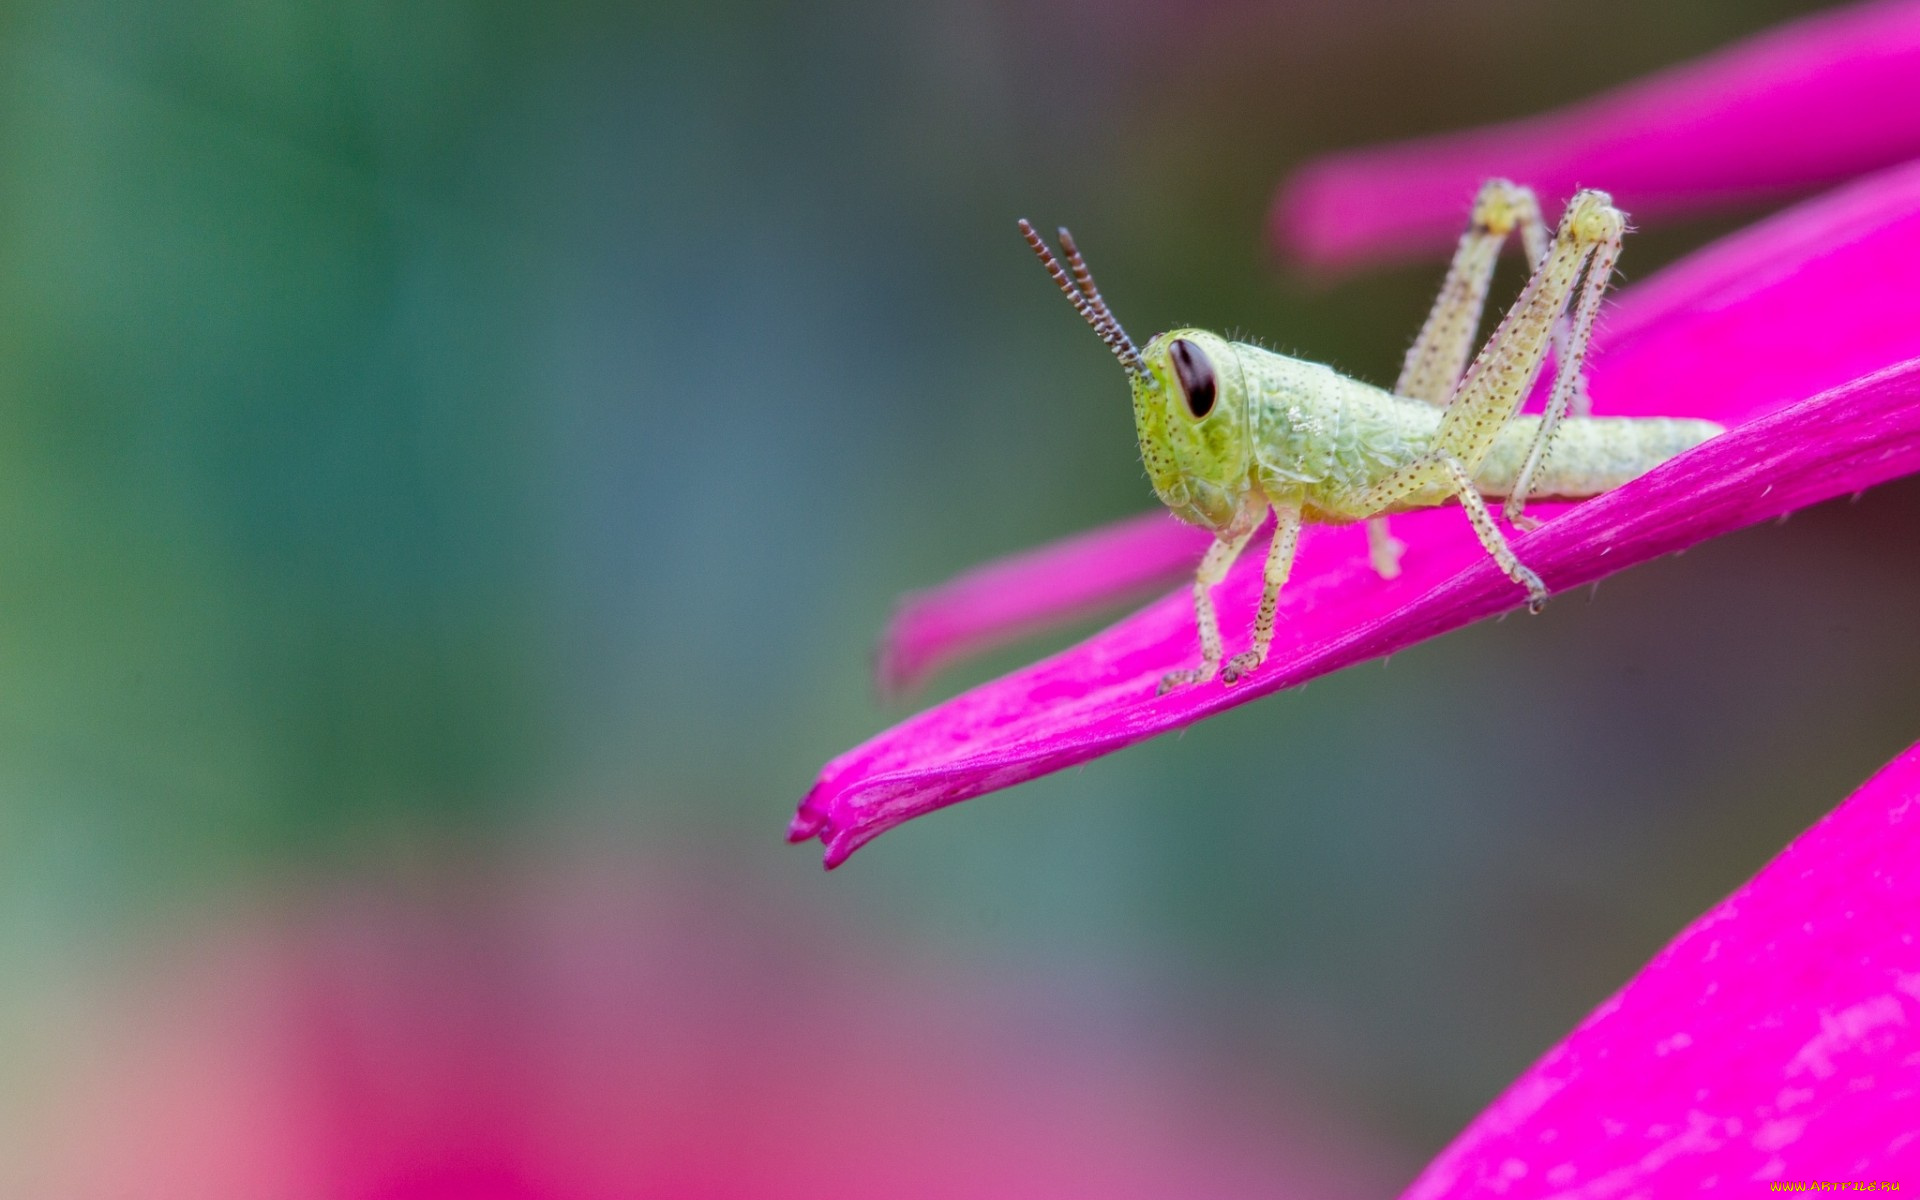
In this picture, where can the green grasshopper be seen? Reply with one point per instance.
(1229, 429)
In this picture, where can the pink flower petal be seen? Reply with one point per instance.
(605, 1027)
(1099, 696)
(1739, 334)
(1004, 599)
(1777, 1038)
(1812, 102)
(1667, 325)
(1798, 303)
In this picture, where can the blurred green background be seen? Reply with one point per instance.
(442, 437)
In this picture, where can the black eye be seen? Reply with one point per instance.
(1196, 376)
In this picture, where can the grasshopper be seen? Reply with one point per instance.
(1229, 430)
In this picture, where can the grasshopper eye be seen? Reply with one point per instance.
(1190, 363)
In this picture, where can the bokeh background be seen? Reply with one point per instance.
(455, 459)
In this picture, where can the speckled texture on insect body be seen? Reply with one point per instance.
(1230, 431)
(1306, 435)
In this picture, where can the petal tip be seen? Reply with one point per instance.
(842, 840)
(808, 819)
(814, 820)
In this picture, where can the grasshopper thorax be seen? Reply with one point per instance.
(1191, 412)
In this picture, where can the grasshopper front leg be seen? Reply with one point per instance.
(1220, 556)
(1213, 569)
(1286, 538)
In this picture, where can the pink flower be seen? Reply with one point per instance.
(609, 1029)
(1801, 334)
(1810, 103)
(1776, 1039)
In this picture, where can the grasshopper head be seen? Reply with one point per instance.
(1190, 411)
(1189, 400)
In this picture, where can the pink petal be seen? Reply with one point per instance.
(1004, 599)
(1798, 303)
(1777, 1038)
(1739, 334)
(1099, 696)
(1667, 325)
(1812, 102)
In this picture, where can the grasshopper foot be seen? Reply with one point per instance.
(1174, 679)
(1240, 666)
(1536, 591)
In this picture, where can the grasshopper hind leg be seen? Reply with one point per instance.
(1574, 272)
(1438, 356)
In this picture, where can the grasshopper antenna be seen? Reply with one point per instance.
(1090, 289)
(1085, 297)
